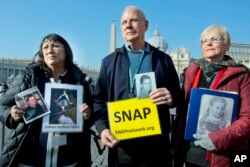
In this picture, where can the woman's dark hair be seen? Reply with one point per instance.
(57, 38)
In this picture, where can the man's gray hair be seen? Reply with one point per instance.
(141, 13)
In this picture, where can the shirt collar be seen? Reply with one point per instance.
(146, 49)
(60, 78)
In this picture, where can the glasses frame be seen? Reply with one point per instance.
(214, 39)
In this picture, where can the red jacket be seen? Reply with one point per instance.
(235, 136)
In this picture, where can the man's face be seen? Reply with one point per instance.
(32, 101)
(133, 26)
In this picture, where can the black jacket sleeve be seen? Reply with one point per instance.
(19, 84)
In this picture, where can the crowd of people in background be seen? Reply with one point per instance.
(53, 63)
(3, 88)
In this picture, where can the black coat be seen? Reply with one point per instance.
(113, 80)
(34, 75)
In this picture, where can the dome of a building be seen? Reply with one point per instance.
(158, 41)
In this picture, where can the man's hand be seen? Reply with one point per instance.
(161, 96)
(108, 139)
(204, 141)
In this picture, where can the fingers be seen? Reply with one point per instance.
(196, 136)
(197, 142)
(161, 96)
(205, 143)
(108, 139)
(85, 111)
(16, 113)
(199, 136)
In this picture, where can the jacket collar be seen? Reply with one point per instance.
(123, 49)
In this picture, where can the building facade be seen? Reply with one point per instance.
(158, 41)
(10, 67)
(180, 56)
(240, 53)
(181, 59)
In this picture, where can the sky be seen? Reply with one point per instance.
(86, 24)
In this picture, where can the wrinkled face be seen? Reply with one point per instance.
(218, 109)
(133, 26)
(54, 53)
(147, 85)
(32, 101)
(213, 46)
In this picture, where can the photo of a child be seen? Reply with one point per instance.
(145, 83)
(146, 86)
(214, 118)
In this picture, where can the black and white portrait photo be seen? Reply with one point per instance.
(215, 113)
(145, 83)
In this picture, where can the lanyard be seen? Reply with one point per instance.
(131, 77)
(214, 84)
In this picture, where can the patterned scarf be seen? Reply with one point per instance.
(227, 61)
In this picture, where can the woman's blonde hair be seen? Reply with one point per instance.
(222, 31)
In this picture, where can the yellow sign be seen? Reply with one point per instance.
(133, 118)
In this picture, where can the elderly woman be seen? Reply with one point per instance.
(214, 70)
(28, 146)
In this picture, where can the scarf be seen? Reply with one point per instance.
(211, 67)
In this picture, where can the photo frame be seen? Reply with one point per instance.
(33, 104)
(209, 111)
(145, 83)
(64, 101)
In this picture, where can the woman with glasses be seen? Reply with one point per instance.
(214, 70)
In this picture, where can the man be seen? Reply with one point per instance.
(116, 82)
(34, 109)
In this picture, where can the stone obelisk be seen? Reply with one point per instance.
(113, 37)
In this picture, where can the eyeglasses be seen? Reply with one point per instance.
(211, 40)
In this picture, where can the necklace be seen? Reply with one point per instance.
(208, 79)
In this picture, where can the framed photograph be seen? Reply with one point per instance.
(64, 101)
(145, 83)
(33, 104)
(209, 111)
